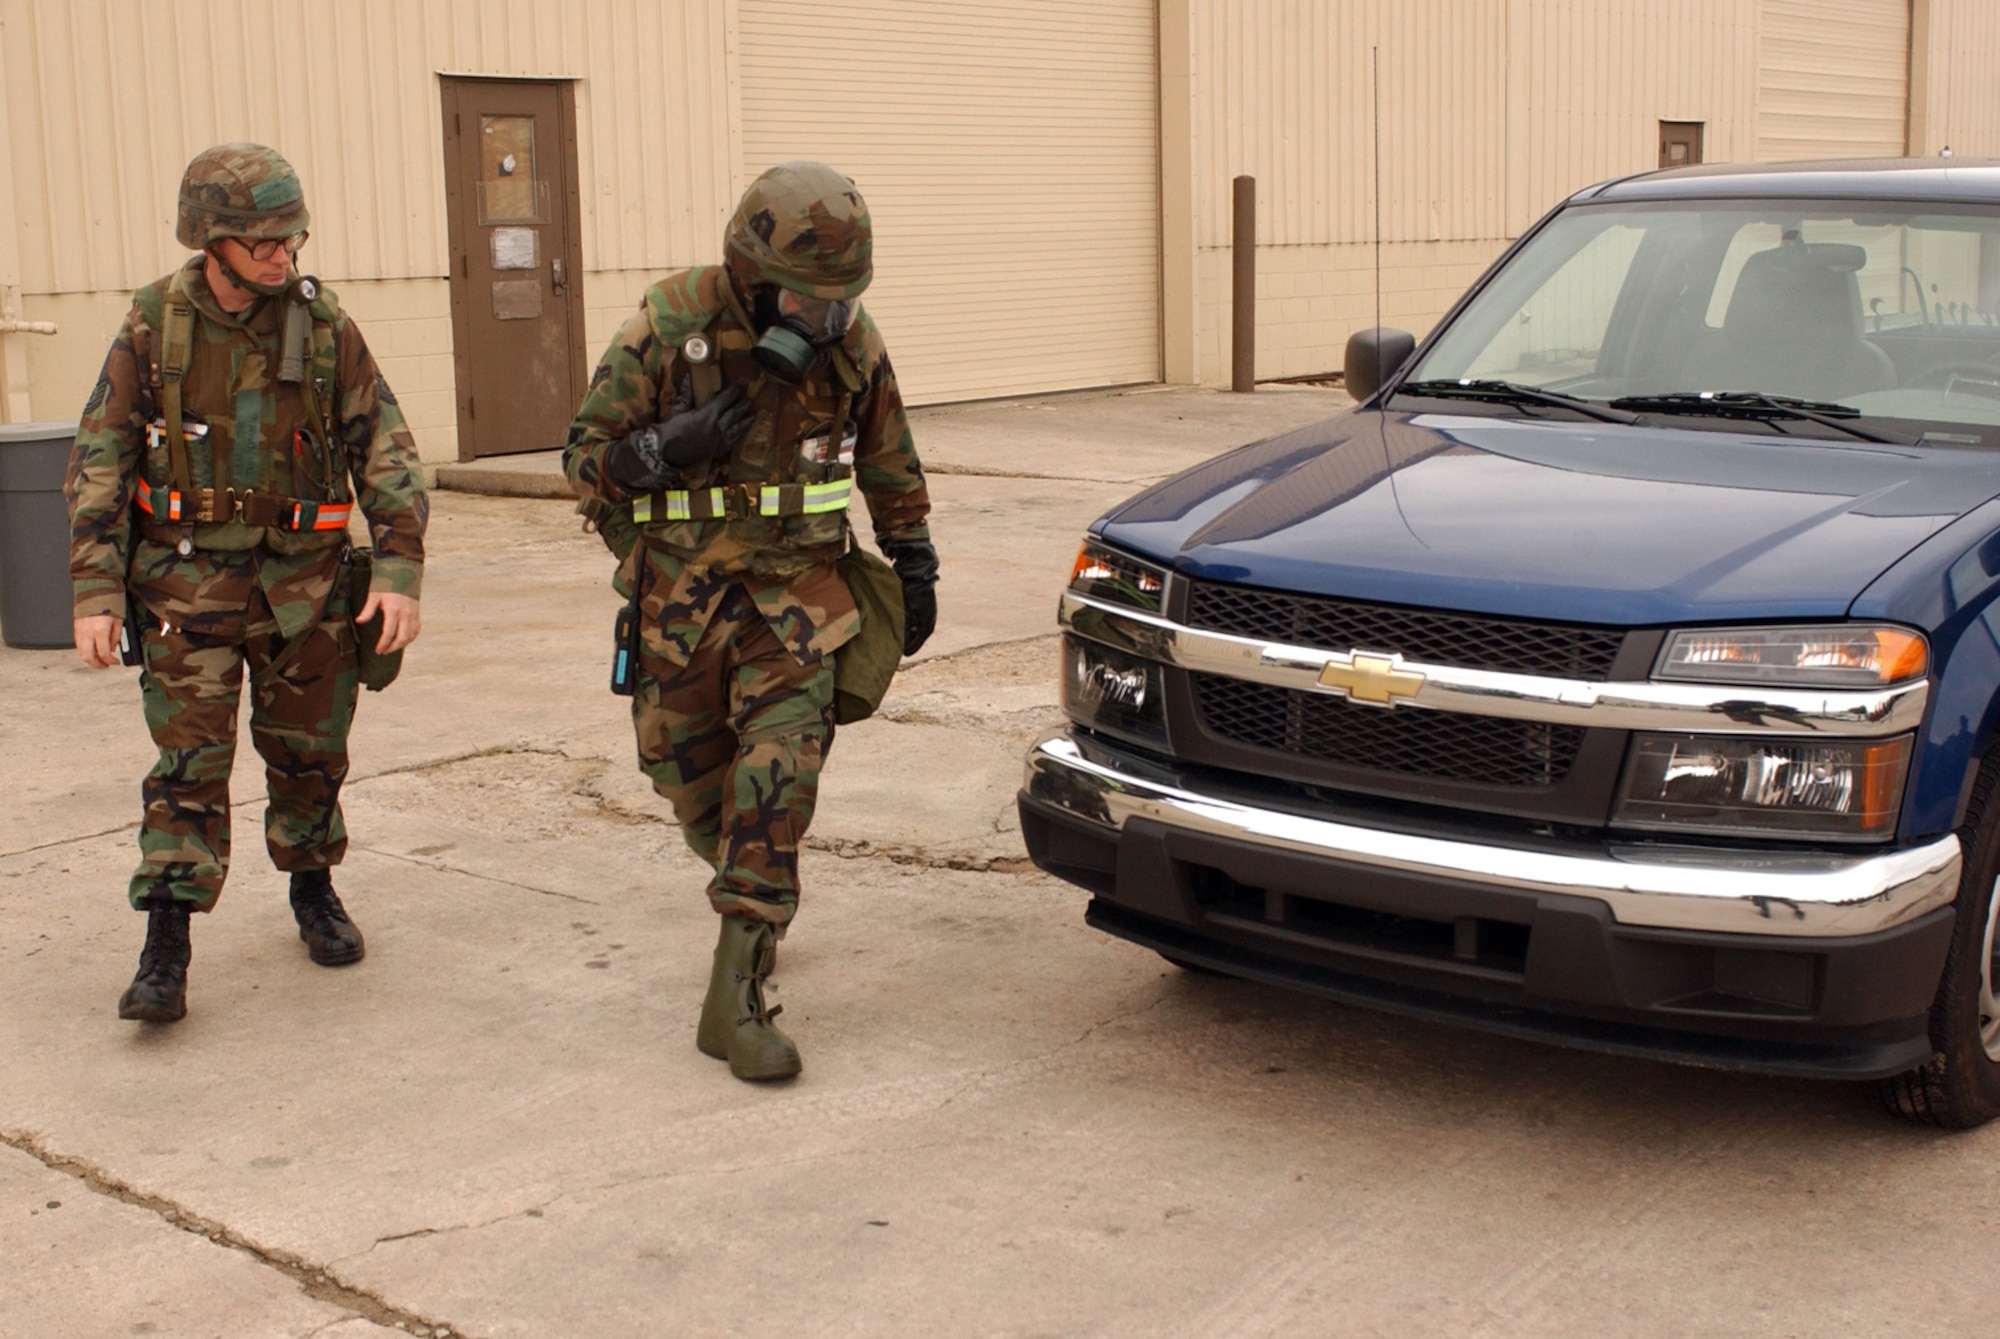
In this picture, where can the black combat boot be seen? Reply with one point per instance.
(158, 994)
(735, 1024)
(331, 939)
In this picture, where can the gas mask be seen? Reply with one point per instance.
(797, 331)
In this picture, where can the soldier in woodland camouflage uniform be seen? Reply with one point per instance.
(209, 494)
(730, 420)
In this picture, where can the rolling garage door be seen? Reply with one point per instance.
(1009, 154)
(1833, 79)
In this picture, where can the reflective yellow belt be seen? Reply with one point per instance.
(736, 501)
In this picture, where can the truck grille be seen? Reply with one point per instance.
(1468, 640)
(1485, 750)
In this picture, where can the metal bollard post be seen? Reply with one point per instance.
(1243, 294)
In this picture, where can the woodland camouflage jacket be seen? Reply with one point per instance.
(846, 418)
(253, 435)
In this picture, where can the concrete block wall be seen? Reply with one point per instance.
(609, 296)
(1311, 298)
(407, 323)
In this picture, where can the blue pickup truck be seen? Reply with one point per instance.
(1621, 671)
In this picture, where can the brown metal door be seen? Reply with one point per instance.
(516, 284)
(1680, 143)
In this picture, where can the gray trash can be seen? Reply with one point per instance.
(35, 601)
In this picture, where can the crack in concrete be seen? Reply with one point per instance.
(249, 806)
(315, 1281)
(849, 848)
(442, 868)
(1018, 721)
(467, 755)
(843, 848)
(532, 1211)
(70, 841)
(946, 657)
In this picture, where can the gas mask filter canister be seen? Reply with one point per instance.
(796, 330)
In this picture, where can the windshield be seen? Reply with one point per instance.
(1892, 310)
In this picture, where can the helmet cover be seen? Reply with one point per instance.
(245, 191)
(804, 227)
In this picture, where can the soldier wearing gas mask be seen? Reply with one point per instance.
(723, 439)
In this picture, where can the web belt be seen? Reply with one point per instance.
(209, 506)
(737, 501)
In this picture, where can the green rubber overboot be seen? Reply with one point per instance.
(158, 994)
(735, 1025)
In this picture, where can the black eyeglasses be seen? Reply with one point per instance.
(268, 247)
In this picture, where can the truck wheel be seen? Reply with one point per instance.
(1960, 1085)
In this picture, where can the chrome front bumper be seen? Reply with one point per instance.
(1712, 889)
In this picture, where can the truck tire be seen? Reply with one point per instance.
(1959, 1087)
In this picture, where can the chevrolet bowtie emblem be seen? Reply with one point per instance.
(1366, 678)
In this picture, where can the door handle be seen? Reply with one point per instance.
(558, 276)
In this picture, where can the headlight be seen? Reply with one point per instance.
(1103, 573)
(1837, 655)
(1850, 791)
(1114, 692)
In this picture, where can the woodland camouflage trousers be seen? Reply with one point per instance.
(302, 693)
(734, 740)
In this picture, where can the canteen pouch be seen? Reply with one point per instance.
(377, 671)
(863, 666)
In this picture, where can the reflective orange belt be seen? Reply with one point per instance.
(210, 506)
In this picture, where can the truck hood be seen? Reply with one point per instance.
(1589, 522)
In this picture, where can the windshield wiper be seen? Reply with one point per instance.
(1753, 405)
(1508, 392)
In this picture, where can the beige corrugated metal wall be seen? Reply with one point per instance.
(1491, 111)
(1009, 153)
(107, 100)
(110, 98)
(1833, 79)
(1286, 87)
(1596, 80)
(1012, 151)
(1575, 96)
(1959, 94)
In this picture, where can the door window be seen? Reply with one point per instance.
(509, 191)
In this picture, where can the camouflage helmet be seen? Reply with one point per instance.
(239, 190)
(803, 226)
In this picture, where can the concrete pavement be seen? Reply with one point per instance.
(498, 1125)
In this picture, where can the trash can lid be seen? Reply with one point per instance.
(34, 456)
(49, 430)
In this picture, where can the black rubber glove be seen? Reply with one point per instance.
(649, 458)
(916, 564)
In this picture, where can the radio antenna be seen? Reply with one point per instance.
(1375, 90)
(1381, 372)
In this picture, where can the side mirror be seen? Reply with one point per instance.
(1373, 356)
